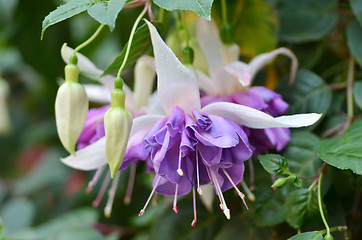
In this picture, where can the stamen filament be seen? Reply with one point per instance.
(103, 189)
(223, 205)
(95, 179)
(241, 195)
(132, 174)
(111, 195)
(197, 173)
(250, 195)
(175, 200)
(149, 198)
(179, 170)
(194, 221)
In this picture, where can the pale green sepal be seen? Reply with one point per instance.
(71, 108)
(117, 126)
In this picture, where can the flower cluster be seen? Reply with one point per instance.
(190, 141)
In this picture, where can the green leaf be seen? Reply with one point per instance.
(307, 236)
(17, 214)
(308, 20)
(307, 90)
(273, 163)
(345, 152)
(106, 12)
(201, 7)
(257, 21)
(357, 93)
(268, 209)
(354, 38)
(357, 9)
(141, 42)
(301, 154)
(65, 11)
(301, 206)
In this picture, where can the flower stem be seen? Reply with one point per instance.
(320, 203)
(224, 12)
(185, 27)
(350, 79)
(131, 38)
(95, 34)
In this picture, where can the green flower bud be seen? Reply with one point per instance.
(226, 33)
(117, 126)
(71, 108)
(187, 55)
(279, 182)
(144, 78)
(4, 114)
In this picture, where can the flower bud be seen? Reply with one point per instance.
(117, 126)
(4, 114)
(71, 107)
(279, 182)
(144, 78)
(226, 33)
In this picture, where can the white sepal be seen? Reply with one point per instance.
(144, 78)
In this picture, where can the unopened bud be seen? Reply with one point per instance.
(279, 182)
(4, 114)
(328, 237)
(117, 126)
(71, 107)
(226, 33)
(187, 55)
(144, 78)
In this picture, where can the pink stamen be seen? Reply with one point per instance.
(223, 205)
(111, 195)
(241, 195)
(134, 4)
(103, 189)
(194, 221)
(132, 174)
(95, 179)
(175, 200)
(149, 198)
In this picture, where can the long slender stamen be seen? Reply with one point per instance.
(150, 13)
(179, 170)
(103, 189)
(111, 195)
(208, 173)
(194, 221)
(197, 173)
(250, 195)
(132, 174)
(241, 195)
(223, 205)
(175, 201)
(149, 198)
(95, 179)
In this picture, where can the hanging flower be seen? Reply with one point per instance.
(230, 81)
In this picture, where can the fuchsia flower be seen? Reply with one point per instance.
(188, 145)
(229, 80)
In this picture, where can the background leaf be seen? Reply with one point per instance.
(357, 93)
(106, 12)
(307, 20)
(201, 7)
(356, 6)
(307, 90)
(301, 206)
(354, 39)
(65, 11)
(307, 236)
(141, 42)
(344, 152)
(273, 163)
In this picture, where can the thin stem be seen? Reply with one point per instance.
(185, 27)
(320, 204)
(161, 15)
(224, 12)
(145, 9)
(250, 195)
(350, 79)
(89, 40)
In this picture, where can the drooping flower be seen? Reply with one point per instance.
(229, 80)
(191, 146)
